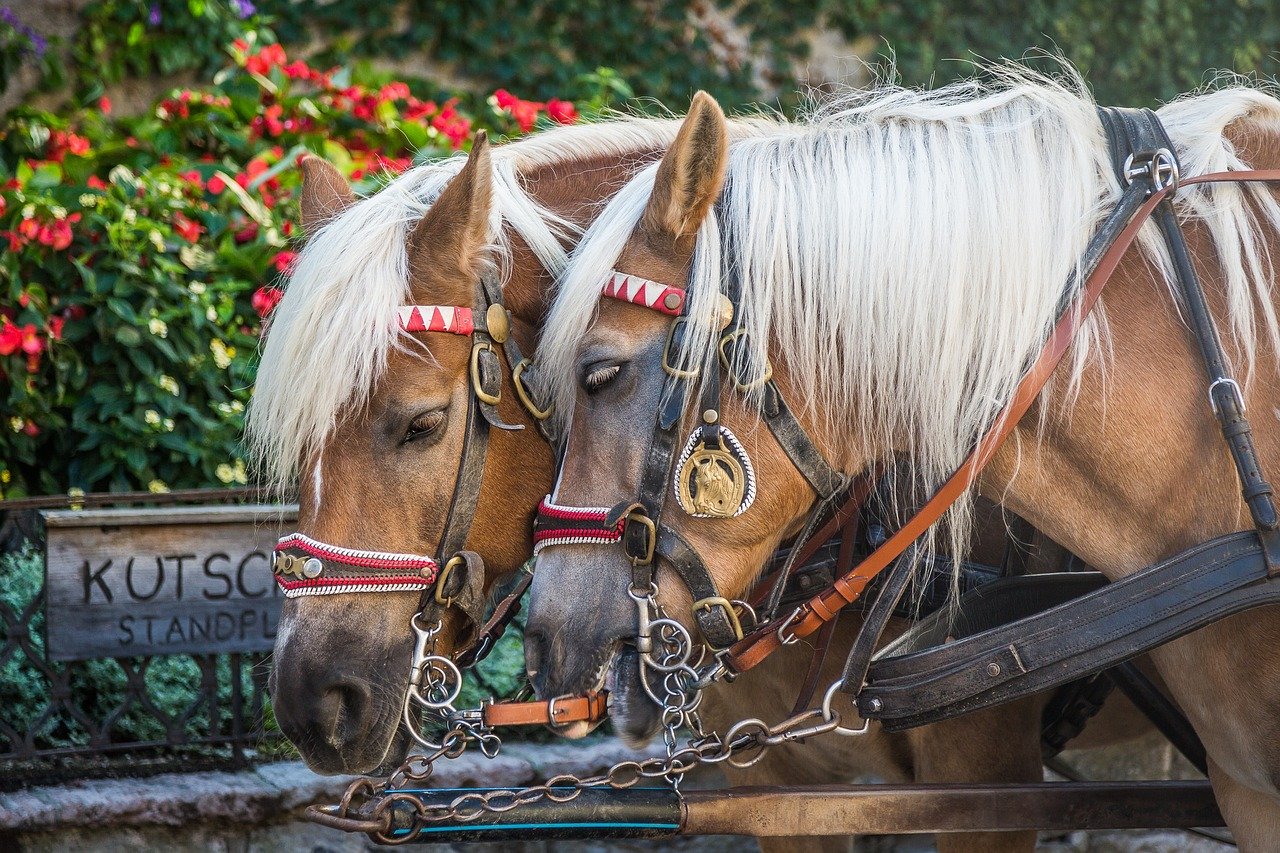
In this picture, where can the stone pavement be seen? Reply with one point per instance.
(258, 809)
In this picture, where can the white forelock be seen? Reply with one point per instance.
(905, 252)
(330, 335)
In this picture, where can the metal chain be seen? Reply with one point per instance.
(666, 652)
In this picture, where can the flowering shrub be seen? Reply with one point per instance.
(140, 257)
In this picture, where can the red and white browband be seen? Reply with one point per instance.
(324, 571)
(457, 320)
(573, 525)
(645, 293)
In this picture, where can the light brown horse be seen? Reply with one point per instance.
(341, 663)
(902, 258)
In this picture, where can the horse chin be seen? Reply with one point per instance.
(636, 718)
(397, 752)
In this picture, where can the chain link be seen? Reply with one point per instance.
(669, 675)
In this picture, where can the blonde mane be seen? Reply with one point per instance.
(905, 252)
(330, 335)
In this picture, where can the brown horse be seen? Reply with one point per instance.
(901, 259)
(369, 420)
(342, 660)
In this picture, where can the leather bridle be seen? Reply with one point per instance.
(305, 566)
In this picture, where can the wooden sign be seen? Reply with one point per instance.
(174, 580)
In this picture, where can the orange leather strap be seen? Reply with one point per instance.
(755, 647)
(592, 708)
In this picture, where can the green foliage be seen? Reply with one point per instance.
(142, 251)
(1132, 53)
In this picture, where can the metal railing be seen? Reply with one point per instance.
(109, 716)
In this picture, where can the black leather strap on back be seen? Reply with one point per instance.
(1113, 623)
(1144, 136)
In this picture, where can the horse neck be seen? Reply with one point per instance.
(1133, 468)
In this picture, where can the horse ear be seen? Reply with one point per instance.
(692, 172)
(325, 193)
(453, 233)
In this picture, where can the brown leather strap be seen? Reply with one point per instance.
(503, 612)
(812, 615)
(591, 708)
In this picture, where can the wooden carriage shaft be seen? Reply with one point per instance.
(905, 809)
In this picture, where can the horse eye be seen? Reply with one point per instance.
(599, 377)
(424, 425)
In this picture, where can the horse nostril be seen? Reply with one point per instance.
(534, 648)
(344, 711)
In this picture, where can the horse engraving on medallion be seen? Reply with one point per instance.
(714, 480)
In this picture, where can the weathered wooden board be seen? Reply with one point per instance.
(123, 582)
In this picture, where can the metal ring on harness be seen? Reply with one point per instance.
(476, 385)
(1161, 167)
(828, 714)
(667, 367)
(442, 599)
(738, 385)
(522, 393)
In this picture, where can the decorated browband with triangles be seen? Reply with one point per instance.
(457, 320)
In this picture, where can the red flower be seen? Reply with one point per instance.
(247, 233)
(78, 145)
(297, 70)
(31, 343)
(561, 112)
(55, 327)
(192, 177)
(96, 183)
(216, 185)
(265, 299)
(104, 104)
(10, 337)
(283, 261)
(526, 114)
(3, 204)
(14, 242)
(29, 229)
(266, 59)
(505, 99)
(30, 428)
(188, 230)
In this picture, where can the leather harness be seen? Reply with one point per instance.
(1203, 584)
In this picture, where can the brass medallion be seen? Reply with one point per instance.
(712, 480)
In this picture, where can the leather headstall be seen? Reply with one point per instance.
(637, 524)
(305, 566)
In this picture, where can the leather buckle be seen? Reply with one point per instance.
(738, 385)
(477, 384)
(645, 558)
(724, 604)
(443, 578)
(667, 367)
(523, 395)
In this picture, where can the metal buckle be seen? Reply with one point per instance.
(739, 386)
(1159, 165)
(666, 354)
(476, 385)
(443, 577)
(724, 604)
(1235, 387)
(523, 395)
(651, 541)
(791, 639)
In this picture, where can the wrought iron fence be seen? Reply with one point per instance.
(113, 715)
